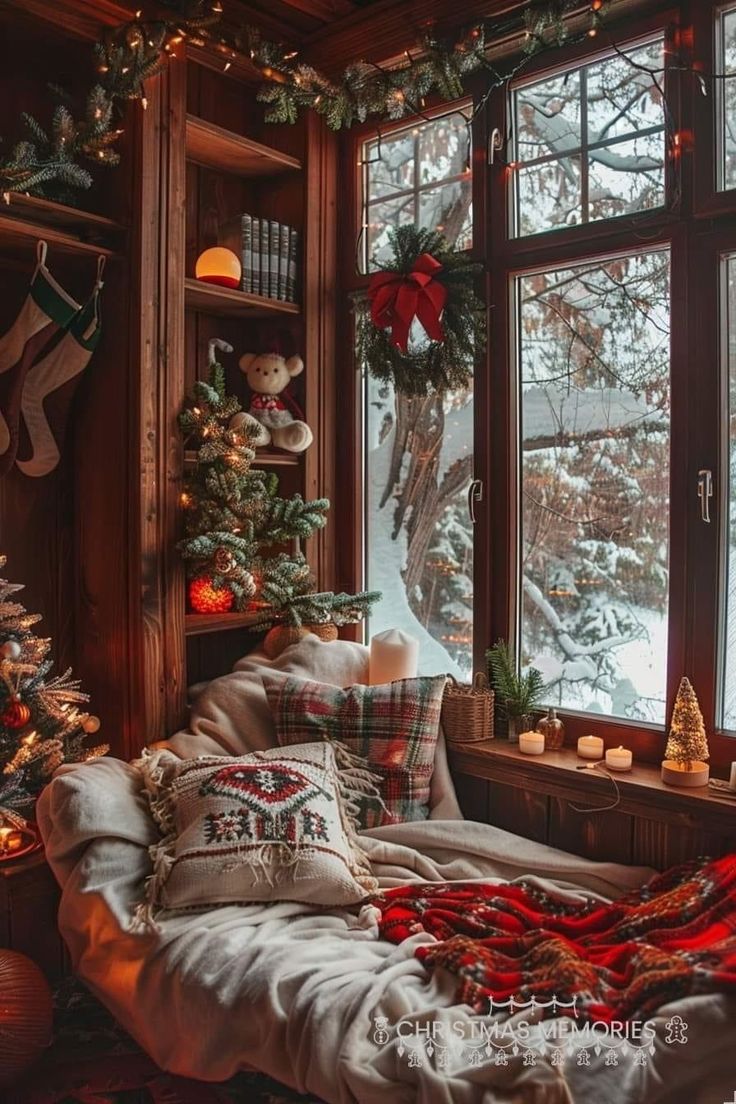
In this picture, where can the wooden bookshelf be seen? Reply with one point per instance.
(216, 148)
(229, 302)
(199, 624)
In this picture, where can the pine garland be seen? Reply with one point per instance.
(53, 163)
(427, 365)
(365, 89)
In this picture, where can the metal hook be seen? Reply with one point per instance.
(495, 145)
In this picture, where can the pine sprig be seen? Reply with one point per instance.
(518, 694)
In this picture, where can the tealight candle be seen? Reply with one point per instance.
(619, 759)
(590, 747)
(531, 743)
(732, 782)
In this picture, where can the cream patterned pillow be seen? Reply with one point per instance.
(271, 826)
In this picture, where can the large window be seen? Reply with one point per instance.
(605, 412)
(418, 453)
(593, 353)
(590, 142)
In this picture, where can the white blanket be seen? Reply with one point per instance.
(296, 992)
(310, 996)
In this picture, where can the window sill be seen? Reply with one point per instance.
(641, 790)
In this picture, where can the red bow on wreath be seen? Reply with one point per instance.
(397, 298)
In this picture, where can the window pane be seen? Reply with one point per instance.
(727, 64)
(383, 217)
(593, 350)
(419, 538)
(590, 143)
(548, 117)
(728, 705)
(448, 209)
(621, 98)
(391, 164)
(443, 148)
(627, 177)
(419, 174)
(549, 196)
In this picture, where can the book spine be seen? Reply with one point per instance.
(291, 271)
(247, 258)
(273, 256)
(256, 251)
(265, 258)
(284, 235)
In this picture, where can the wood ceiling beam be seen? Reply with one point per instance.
(384, 30)
(325, 10)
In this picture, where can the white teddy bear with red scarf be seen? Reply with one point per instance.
(269, 375)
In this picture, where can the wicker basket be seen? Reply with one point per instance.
(467, 711)
(281, 636)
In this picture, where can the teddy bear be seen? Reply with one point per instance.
(268, 376)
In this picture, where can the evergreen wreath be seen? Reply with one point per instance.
(394, 351)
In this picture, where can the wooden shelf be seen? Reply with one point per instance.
(225, 151)
(265, 458)
(27, 219)
(198, 624)
(228, 302)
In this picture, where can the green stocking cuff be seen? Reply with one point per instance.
(51, 298)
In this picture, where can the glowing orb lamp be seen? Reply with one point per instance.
(219, 266)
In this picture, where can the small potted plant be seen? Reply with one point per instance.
(517, 694)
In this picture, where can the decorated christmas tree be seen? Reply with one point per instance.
(43, 722)
(687, 743)
(235, 520)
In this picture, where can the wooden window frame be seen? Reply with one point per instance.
(694, 548)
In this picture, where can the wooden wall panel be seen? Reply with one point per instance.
(472, 795)
(158, 594)
(522, 811)
(605, 836)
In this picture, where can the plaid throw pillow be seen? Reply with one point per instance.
(270, 826)
(393, 726)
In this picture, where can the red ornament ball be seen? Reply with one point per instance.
(16, 714)
(206, 598)
(26, 1014)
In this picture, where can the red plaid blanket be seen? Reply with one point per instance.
(674, 937)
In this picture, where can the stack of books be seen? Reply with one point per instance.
(269, 253)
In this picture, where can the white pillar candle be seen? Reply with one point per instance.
(393, 655)
(531, 743)
(732, 782)
(619, 758)
(590, 747)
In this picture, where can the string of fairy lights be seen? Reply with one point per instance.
(129, 55)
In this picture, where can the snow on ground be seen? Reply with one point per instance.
(386, 557)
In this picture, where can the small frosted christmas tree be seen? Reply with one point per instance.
(42, 720)
(235, 518)
(687, 744)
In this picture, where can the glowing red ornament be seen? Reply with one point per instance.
(206, 598)
(16, 714)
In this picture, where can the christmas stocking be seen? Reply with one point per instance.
(47, 309)
(50, 385)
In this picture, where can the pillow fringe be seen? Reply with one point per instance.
(274, 861)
